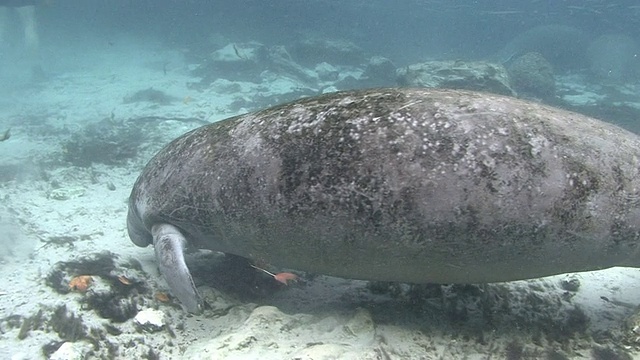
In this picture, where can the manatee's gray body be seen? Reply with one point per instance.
(402, 185)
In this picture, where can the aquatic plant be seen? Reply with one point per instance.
(108, 142)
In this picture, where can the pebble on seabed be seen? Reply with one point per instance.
(150, 320)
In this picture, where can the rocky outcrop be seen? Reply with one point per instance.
(469, 75)
(531, 75)
(310, 52)
(379, 71)
(563, 46)
(248, 61)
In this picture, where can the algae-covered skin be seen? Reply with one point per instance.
(410, 185)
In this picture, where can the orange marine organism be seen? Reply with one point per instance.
(283, 277)
(124, 280)
(80, 283)
(162, 297)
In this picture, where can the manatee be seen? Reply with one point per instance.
(404, 185)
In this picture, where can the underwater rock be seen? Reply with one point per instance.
(150, 320)
(226, 86)
(531, 75)
(247, 61)
(609, 353)
(347, 83)
(327, 72)
(280, 62)
(66, 193)
(614, 57)
(234, 53)
(329, 89)
(310, 52)
(630, 331)
(467, 75)
(380, 71)
(234, 62)
(563, 46)
(571, 284)
(70, 351)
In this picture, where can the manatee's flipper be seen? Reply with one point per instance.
(169, 244)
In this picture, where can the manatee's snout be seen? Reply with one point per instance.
(136, 229)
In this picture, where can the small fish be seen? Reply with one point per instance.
(283, 277)
(6, 135)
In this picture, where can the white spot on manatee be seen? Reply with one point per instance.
(537, 144)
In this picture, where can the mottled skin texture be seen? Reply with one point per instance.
(402, 185)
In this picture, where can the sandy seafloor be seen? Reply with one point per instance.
(51, 212)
